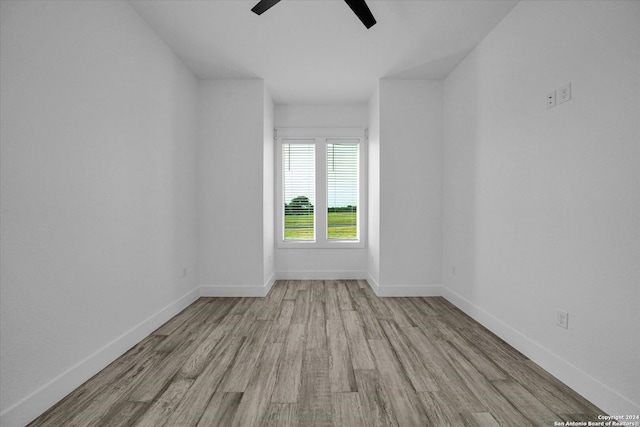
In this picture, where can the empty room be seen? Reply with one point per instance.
(319, 212)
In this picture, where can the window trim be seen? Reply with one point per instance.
(321, 136)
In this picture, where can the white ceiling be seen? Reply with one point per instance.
(317, 51)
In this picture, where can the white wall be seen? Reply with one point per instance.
(321, 115)
(233, 115)
(321, 263)
(373, 253)
(410, 187)
(542, 206)
(268, 190)
(97, 121)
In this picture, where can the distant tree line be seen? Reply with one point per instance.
(349, 208)
(302, 206)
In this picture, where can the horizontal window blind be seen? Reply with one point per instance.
(299, 177)
(342, 190)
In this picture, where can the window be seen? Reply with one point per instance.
(320, 188)
(342, 190)
(299, 188)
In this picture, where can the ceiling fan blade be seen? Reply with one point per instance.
(263, 6)
(361, 9)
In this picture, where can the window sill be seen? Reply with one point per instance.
(321, 245)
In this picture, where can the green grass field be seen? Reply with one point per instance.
(342, 226)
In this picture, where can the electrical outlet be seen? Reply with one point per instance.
(564, 93)
(562, 319)
(453, 270)
(551, 99)
(185, 272)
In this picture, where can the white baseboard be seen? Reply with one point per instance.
(31, 406)
(593, 390)
(404, 290)
(238, 290)
(321, 275)
(408, 291)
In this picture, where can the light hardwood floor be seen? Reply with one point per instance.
(320, 353)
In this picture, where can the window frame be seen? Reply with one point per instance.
(321, 137)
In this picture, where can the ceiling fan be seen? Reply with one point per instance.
(359, 7)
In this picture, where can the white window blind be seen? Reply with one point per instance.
(298, 167)
(342, 190)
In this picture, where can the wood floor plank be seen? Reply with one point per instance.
(372, 329)
(412, 311)
(501, 409)
(340, 367)
(344, 299)
(237, 377)
(314, 409)
(191, 328)
(241, 307)
(181, 318)
(316, 328)
(96, 411)
(218, 308)
(406, 405)
(455, 317)
(302, 307)
(361, 357)
(439, 410)
(355, 291)
(191, 407)
(317, 291)
(303, 285)
(271, 305)
(158, 376)
(434, 328)
(124, 414)
(480, 419)
(556, 395)
(451, 385)
(166, 404)
(331, 307)
(409, 359)
(246, 322)
(540, 383)
(397, 313)
(376, 406)
(321, 353)
(500, 352)
(280, 327)
(288, 380)
(79, 399)
(198, 358)
(479, 359)
(379, 308)
(256, 398)
(281, 415)
(150, 385)
(423, 306)
(366, 289)
(292, 290)
(347, 411)
(527, 404)
(221, 410)
(112, 393)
